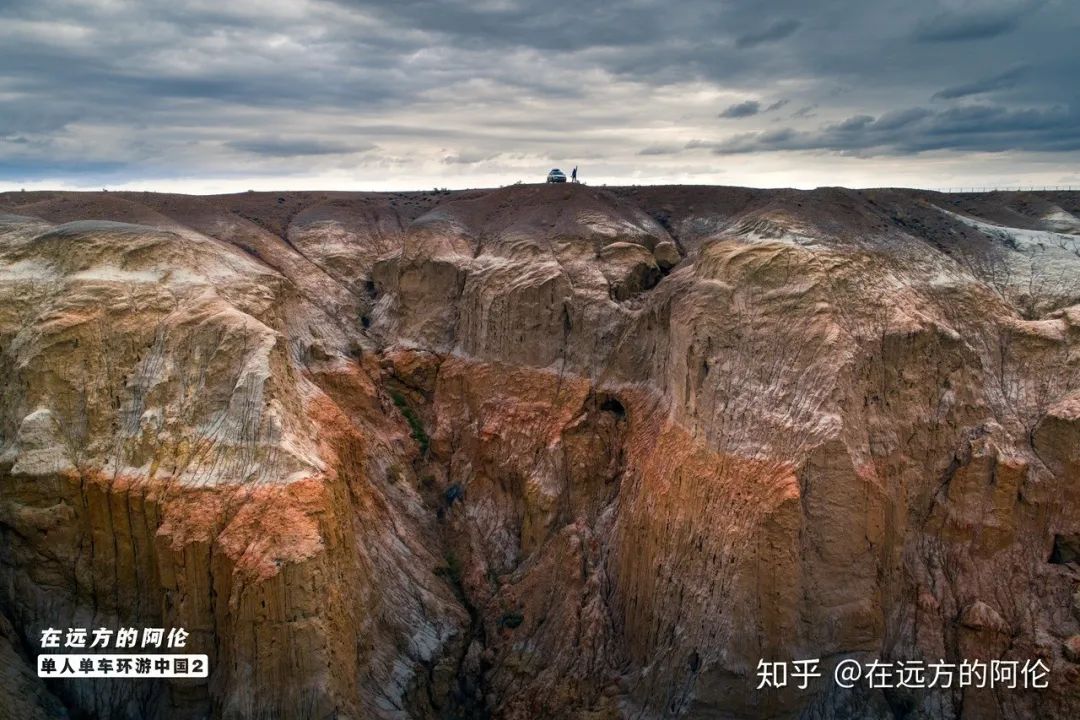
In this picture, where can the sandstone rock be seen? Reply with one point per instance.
(980, 616)
(1057, 436)
(1071, 648)
(630, 269)
(667, 255)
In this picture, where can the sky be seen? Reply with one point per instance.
(207, 96)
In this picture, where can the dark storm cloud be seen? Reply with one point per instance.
(777, 31)
(159, 85)
(1001, 81)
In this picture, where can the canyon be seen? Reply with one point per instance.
(541, 451)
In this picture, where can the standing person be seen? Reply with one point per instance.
(573, 174)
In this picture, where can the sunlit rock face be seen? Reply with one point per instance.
(541, 451)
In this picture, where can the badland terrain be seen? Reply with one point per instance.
(541, 451)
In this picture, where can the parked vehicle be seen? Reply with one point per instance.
(556, 175)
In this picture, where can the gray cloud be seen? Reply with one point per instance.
(777, 31)
(897, 119)
(975, 23)
(296, 147)
(467, 158)
(660, 150)
(159, 88)
(741, 110)
(988, 128)
(1001, 81)
(749, 108)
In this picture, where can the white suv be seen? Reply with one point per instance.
(556, 175)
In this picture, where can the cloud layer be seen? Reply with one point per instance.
(454, 92)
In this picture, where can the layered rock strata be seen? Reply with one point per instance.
(542, 451)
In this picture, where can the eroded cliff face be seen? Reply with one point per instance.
(542, 451)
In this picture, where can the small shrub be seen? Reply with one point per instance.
(418, 434)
